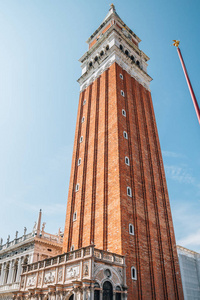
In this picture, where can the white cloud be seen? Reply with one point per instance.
(180, 174)
(172, 154)
(191, 241)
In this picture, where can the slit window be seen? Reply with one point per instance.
(72, 248)
(127, 162)
(121, 76)
(131, 229)
(79, 161)
(129, 191)
(120, 47)
(74, 216)
(81, 139)
(123, 112)
(84, 101)
(83, 119)
(133, 273)
(122, 93)
(77, 187)
(125, 135)
(107, 47)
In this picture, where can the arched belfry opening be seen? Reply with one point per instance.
(107, 291)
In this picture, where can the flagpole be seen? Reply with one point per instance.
(196, 106)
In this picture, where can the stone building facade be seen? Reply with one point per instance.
(190, 272)
(29, 248)
(79, 274)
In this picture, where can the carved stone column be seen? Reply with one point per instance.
(10, 272)
(114, 295)
(101, 294)
(19, 270)
(2, 274)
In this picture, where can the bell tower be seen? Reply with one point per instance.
(118, 199)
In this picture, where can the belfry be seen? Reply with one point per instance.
(119, 238)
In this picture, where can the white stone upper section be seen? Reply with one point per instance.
(113, 42)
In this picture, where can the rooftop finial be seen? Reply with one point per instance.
(112, 6)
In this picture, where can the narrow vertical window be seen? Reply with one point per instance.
(77, 187)
(83, 119)
(121, 76)
(127, 162)
(133, 273)
(79, 162)
(125, 135)
(122, 93)
(123, 112)
(129, 191)
(81, 139)
(131, 229)
(74, 216)
(84, 101)
(72, 248)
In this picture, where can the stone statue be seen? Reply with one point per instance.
(8, 239)
(34, 227)
(43, 226)
(16, 234)
(25, 230)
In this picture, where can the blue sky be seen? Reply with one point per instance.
(40, 44)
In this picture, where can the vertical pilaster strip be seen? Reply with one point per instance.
(132, 178)
(164, 195)
(143, 183)
(85, 169)
(75, 175)
(149, 151)
(105, 214)
(95, 165)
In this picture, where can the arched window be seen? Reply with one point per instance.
(138, 63)
(129, 191)
(125, 135)
(107, 47)
(96, 291)
(126, 52)
(90, 63)
(6, 272)
(132, 58)
(25, 260)
(131, 229)
(15, 271)
(133, 273)
(118, 295)
(71, 297)
(107, 291)
(101, 53)
(123, 112)
(120, 47)
(96, 58)
(127, 162)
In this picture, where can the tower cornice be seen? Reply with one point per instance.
(114, 54)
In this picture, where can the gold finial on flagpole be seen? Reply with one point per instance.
(176, 43)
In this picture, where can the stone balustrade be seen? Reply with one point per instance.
(80, 267)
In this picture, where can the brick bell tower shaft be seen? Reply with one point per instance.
(118, 197)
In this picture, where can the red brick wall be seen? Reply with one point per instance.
(104, 210)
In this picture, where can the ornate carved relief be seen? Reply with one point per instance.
(72, 272)
(31, 281)
(49, 277)
(39, 279)
(60, 274)
(86, 269)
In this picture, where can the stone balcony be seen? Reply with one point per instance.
(11, 287)
(77, 273)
